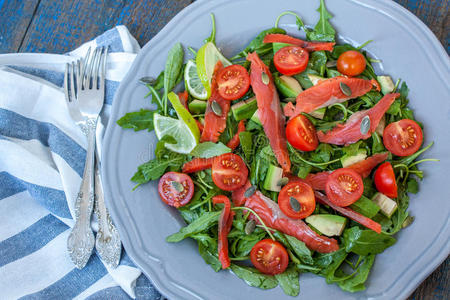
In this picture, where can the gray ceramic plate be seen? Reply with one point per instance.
(408, 50)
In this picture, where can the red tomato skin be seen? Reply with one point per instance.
(301, 134)
(291, 60)
(351, 63)
(166, 190)
(233, 82)
(384, 178)
(303, 193)
(336, 191)
(276, 250)
(393, 137)
(229, 172)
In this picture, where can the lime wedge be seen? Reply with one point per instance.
(177, 129)
(193, 83)
(207, 57)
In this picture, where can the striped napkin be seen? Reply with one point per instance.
(42, 154)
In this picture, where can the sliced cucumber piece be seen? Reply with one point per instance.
(272, 180)
(366, 207)
(350, 160)
(387, 85)
(244, 109)
(197, 106)
(386, 204)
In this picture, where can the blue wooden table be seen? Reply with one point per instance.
(59, 26)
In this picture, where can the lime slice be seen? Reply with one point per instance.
(177, 129)
(207, 57)
(184, 115)
(193, 83)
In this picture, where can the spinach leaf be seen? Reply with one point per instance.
(205, 221)
(209, 149)
(300, 249)
(356, 282)
(246, 139)
(212, 37)
(254, 278)
(288, 281)
(257, 45)
(323, 31)
(138, 120)
(173, 70)
(330, 262)
(365, 242)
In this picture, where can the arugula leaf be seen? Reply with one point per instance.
(257, 45)
(352, 149)
(205, 221)
(209, 149)
(330, 262)
(155, 168)
(173, 70)
(412, 186)
(288, 281)
(356, 283)
(377, 144)
(323, 31)
(300, 249)
(207, 247)
(317, 62)
(138, 120)
(364, 242)
(395, 108)
(254, 278)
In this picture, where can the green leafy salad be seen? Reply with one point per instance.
(292, 156)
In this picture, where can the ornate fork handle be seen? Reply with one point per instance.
(81, 240)
(107, 241)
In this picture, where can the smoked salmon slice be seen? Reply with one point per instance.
(350, 132)
(328, 92)
(309, 46)
(215, 124)
(269, 109)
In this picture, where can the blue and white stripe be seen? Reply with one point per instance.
(42, 155)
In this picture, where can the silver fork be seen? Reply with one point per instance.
(107, 241)
(88, 91)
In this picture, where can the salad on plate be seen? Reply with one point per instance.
(290, 157)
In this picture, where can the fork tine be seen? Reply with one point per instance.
(103, 71)
(66, 83)
(84, 65)
(72, 83)
(96, 68)
(89, 68)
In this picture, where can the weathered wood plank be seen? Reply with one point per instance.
(15, 16)
(436, 286)
(435, 14)
(60, 26)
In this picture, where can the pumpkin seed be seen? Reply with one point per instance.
(147, 80)
(295, 204)
(250, 191)
(265, 78)
(331, 63)
(345, 89)
(216, 108)
(365, 125)
(177, 186)
(250, 227)
(408, 221)
(283, 181)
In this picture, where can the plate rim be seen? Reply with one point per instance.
(386, 7)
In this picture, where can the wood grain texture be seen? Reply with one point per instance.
(61, 25)
(15, 17)
(435, 14)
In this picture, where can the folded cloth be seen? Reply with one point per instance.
(42, 154)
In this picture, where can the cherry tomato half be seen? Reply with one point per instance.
(269, 257)
(384, 178)
(301, 134)
(291, 60)
(233, 82)
(176, 189)
(229, 171)
(403, 137)
(351, 63)
(303, 194)
(344, 187)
